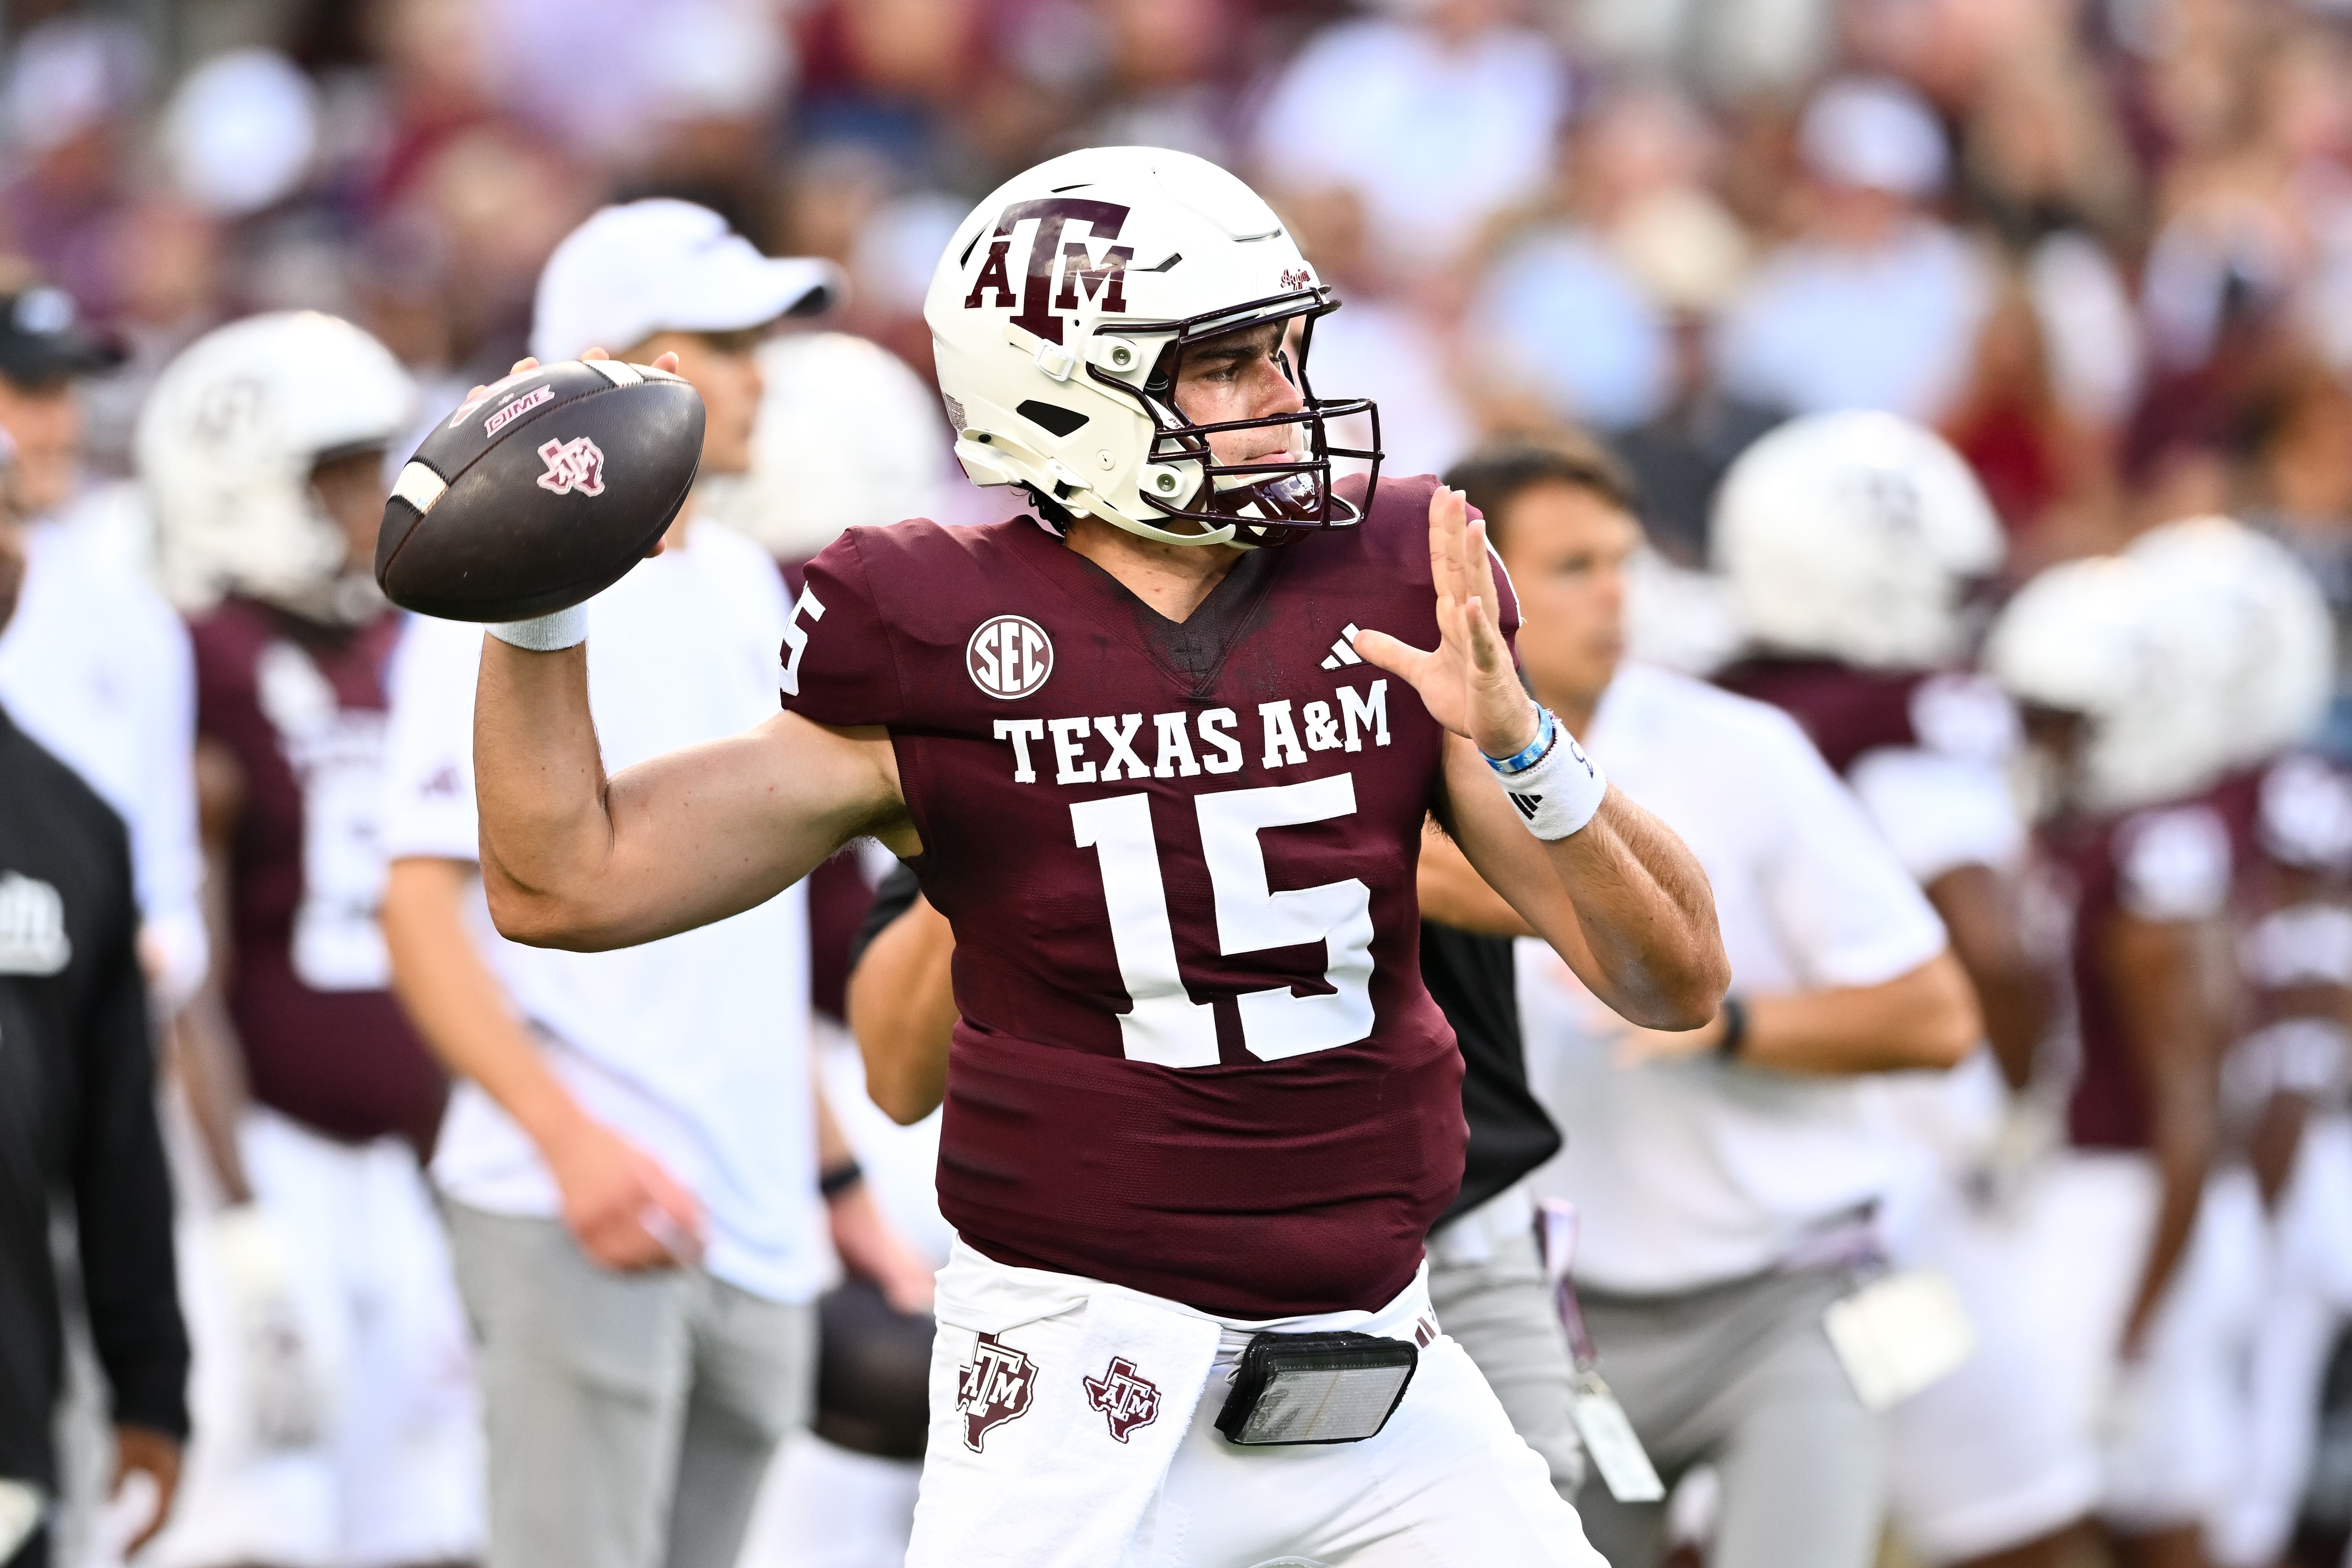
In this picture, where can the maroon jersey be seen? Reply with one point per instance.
(302, 707)
(1195, 1056)
(2175, 862)
(1846, 712)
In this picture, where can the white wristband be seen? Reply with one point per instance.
(1558, 794)
(544, 634)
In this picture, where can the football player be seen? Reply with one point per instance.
(2122, 677)
(334, 1391)
(2273, 1208)
(1162, 755)
(1852, 542)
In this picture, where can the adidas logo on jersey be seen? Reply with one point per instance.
(1342, 653)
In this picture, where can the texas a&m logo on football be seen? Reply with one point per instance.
(573, 466)
(1126, 1400)
(991, 1388)
(1102, 281)
(1009, 656)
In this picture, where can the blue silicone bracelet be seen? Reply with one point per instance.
(1546, 732)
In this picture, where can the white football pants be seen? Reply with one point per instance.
(1447, 1482)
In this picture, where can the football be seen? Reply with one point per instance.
(541, 492)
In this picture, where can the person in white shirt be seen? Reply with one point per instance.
(1725, 1177)
(630, 1166)
(95, 666)
(1875, 303)
(1438, 120)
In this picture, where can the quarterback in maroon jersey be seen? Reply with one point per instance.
(1163, 762)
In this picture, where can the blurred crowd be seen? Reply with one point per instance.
(2103, 247)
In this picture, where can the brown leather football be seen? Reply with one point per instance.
(541, 492)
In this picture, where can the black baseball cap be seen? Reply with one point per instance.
(43, 338)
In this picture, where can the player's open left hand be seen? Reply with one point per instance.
(1467, 682)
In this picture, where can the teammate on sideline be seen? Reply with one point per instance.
(1850, 543)
(1198, 1098)
(1725, 1177)
(336, 1419)
(2268, 1288)
(631, 1165)
(2121, 682)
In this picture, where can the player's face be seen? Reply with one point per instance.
(1239, 376)
(1566, 549)
(350, 488)
(721, 367)
(45, 420)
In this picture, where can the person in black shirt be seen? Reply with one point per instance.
(77, 1122)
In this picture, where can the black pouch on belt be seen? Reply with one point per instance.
(1316, 1388)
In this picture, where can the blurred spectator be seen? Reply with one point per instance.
(1166, 78)
(95, 666)
(1688, 254)
(1378, 345)
(1876, 304)
(1438, 119)
(70, 89)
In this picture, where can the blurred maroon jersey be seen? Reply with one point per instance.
(302, 706)
(1195, 1056)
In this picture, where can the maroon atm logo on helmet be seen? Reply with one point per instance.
(1298, 278)
(1126, 1400)
(994, 1387)
(1104, 281)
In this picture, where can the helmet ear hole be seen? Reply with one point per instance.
(1050, 416)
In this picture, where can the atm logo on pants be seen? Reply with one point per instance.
(994, 1387)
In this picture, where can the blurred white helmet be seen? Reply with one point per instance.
(226, 445)
(846, 436)
(2270, 629)
(1854, 536)
(2108, 639)
(1057, 314)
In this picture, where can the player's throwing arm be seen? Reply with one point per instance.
(571, 857)
(1615, 893)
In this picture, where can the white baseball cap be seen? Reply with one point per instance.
(1876, 133)
(666, 265)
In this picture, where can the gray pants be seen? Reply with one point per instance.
(631, 1416)
(1487, 1286)
(1741, 1376)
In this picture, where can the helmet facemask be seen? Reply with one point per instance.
(1261, 501)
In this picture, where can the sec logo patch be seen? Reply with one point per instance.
(1009, 656)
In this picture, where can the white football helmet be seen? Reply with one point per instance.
(1057, 317)
(225, 445)
(2108, 638)
(2269, 625)
(846, 434)
(1853, 536)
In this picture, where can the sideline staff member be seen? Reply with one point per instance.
(77, 1117)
